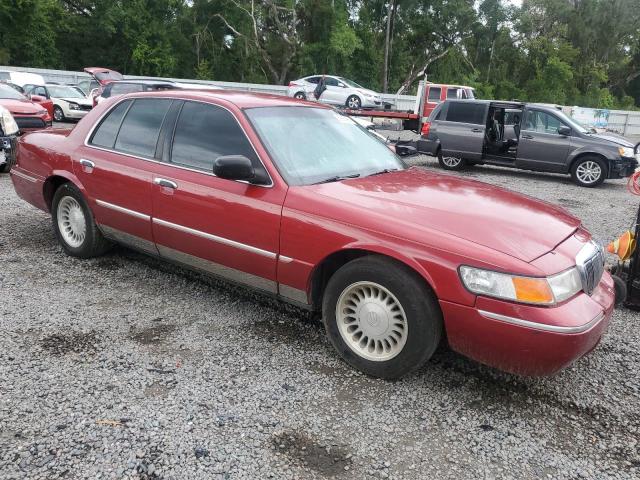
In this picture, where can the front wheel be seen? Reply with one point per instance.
(353, 102)
(74, 225)
(589, 172)
(450, 162)
(381, 317)
(58, 114)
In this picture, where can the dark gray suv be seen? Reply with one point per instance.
(526, 136)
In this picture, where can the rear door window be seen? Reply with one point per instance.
(452, 93)
(205, 132)
(313, 80)
(105, 134)
(140, 128)
(434, 94)
(466, 112)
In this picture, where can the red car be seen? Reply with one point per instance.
(297, 200)
(27, 114)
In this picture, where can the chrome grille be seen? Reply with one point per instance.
(590, 264)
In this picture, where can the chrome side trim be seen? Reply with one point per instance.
(541, 326)
(129, 240)
(294, 294)
(285, 259)
(207, 266)
(215, 238)
(120, 209)
(23, 176)
(211, 174)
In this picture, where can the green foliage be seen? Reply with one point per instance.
(583, 52)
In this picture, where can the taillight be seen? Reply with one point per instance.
(293, 84)
(426, 126)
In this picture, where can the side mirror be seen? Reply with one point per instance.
(234, 167)
(37, 98)
(564, 130)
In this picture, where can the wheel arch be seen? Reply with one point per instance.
(329, 265)
(589, 153)
(54, 181)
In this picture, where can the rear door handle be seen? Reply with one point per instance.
(163, 182)
(87, 163)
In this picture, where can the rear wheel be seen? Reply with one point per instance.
(381, 317)
(300, 96)
(74, 225)
(449, 162)
(353, 102)
(589, 171)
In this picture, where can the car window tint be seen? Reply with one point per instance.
(331, 82)
(105, 134)
(313, 80)
(39, 91)
(542, 122)
(434, 94)
(141, 127)
(466, 112)
(205, 132)
(437, 115)
(452, 93)
(122, 88)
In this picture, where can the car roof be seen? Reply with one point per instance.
(496, 103)
(144, 81)
(235, 97)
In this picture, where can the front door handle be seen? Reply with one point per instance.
(163, 182)
(529, 137)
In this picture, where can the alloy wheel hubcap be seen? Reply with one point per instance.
(71, 222)
(451, 161)
(57, 114)
(371, 321)
(354, 103)
(589, 172)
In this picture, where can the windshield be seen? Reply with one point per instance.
(8, 93)
(64, 92)
(311, 145)
(351, 83)
(108, 75)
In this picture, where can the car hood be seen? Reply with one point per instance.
(79, 101)
(505, 221)
(24, 107)
(369, 92)
(613, 138)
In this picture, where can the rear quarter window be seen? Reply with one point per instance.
(466, 112)
(105, 135)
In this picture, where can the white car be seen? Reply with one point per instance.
(340, 91)
(68, 102)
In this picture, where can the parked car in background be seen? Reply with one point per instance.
(340, 91)
(77, 87)
(395, 258)
(68, 103)
(115, 89)
(8, 134)
(27, 114)
(526, 136)
(21, 78)
(16, 87)
(436, 93)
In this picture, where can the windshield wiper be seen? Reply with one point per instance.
(337, 178)
(386, 170)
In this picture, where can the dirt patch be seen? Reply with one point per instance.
(327, 459)
(76, 342)
(159, 389)
(153, 335)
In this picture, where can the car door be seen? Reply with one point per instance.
(540, 146)
(225, 227)
(116, 166)
(461, 133)
(334, 94)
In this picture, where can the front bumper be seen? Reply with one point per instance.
(75, 114)
(8, 150)
(622, 167)
(371, 102)
(530, 340)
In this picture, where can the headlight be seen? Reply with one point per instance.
(74, 106)
(540, 291)
(626, 152)
(8, 124)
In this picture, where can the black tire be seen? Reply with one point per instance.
(300, 96)
(5, 167)
(421, 309)
(585, 164)
(620, 287)
(353, 102)
(58, 114)
(449, 164)
(94, 243)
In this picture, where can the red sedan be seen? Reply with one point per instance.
(27, 114)
(298, 201)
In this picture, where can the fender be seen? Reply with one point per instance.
(599, 150)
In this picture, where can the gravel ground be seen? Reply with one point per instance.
(125, 367)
